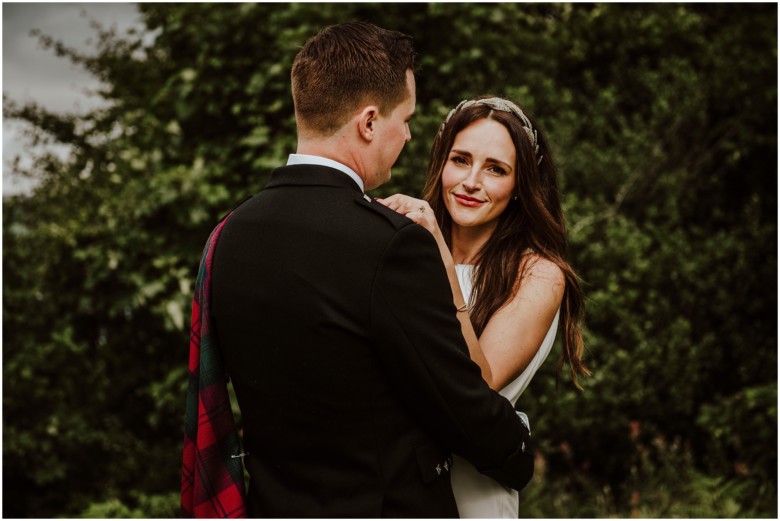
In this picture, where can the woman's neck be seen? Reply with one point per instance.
(467, 241)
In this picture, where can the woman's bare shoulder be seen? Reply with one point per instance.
(540, 272)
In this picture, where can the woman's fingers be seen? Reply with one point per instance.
(404, 204)
(417, 210)
(396, 201)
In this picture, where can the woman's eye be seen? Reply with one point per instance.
(497, 170)
(458, 160)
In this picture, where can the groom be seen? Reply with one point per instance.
(335, 317)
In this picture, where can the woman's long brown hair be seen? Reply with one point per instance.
(535, 220)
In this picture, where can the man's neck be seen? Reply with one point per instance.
(310, 159)
(335, 150)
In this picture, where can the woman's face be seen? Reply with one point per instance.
(478, 179)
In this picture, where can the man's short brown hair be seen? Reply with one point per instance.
(344, 66)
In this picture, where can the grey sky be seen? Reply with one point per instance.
(33, 73)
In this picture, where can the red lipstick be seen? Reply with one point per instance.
(465, 200)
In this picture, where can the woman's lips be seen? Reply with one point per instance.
(465, 200)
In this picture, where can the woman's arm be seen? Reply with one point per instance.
(515, 332)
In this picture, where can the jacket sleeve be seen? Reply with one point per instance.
(418, 337)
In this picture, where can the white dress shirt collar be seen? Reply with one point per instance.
(305, 159)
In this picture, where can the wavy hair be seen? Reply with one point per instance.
(534, 220)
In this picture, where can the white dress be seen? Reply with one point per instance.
(477, 495)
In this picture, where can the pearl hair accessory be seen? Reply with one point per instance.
(503, 105)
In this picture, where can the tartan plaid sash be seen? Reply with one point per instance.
(212, 480)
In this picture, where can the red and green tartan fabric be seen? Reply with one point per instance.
(212, 481)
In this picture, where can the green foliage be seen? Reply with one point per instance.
(663, 120)
(663, 483)
(140, 506)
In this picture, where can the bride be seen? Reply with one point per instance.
(491, 202)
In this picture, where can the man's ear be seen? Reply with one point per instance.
(367, 122)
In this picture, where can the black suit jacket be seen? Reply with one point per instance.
(338, 328)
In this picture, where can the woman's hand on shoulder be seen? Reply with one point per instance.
(421, 212)
(417, 210)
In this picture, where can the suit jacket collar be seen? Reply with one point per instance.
(311, 175)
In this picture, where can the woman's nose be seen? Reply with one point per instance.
(471, 182)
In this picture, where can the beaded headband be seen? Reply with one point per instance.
(504, 106)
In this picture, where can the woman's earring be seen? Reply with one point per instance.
(514, 198)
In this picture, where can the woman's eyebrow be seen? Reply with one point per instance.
(493, 160)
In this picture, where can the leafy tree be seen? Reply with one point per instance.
(663, 119)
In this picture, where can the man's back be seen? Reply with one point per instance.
(293, 277)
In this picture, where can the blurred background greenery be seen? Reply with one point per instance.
(663, 118)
